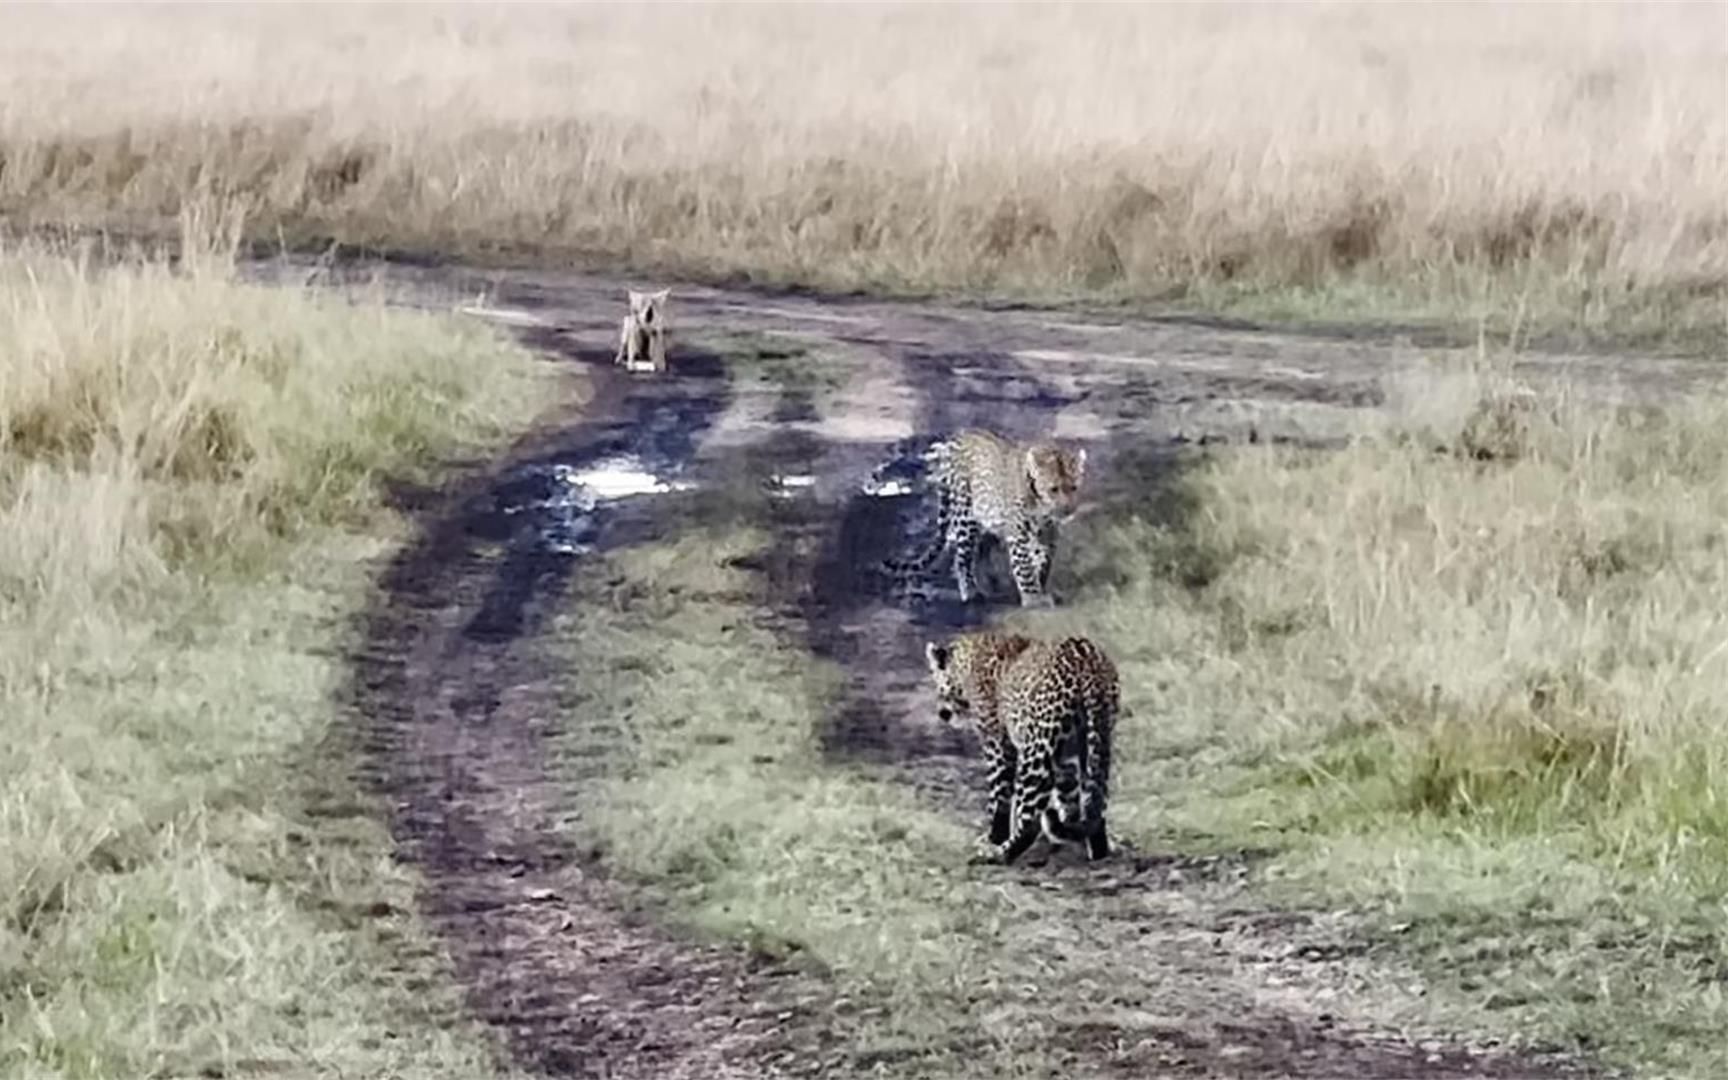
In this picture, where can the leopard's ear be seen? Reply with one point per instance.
(660, 297)
(1079, 462)
(937, 655)
(636, 298)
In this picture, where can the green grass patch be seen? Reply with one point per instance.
(191, 881)
(1467, 674)
(691, 748)
(780, 363)
(694, 766)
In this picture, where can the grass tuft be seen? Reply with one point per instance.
(190, 488)
(1467, 673)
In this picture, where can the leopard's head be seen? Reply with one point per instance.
(1055, 474)
(963, 669)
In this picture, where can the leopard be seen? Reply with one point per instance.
(642, 340)
(1045, 712)
(1016, 493)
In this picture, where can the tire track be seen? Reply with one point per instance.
(457, 699)
(456, 702)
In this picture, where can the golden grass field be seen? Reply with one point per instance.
(1531, 165)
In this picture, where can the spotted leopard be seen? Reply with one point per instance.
(1045, 712)
(989, 486)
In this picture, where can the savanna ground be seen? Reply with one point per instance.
(321, 761)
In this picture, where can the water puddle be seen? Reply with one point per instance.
(562, 499)
(1071, 356)
(888, 489)
(619, 478)
(790, 485)
(905, 472)
(508, 316)
(1292, 373)
(810, 314)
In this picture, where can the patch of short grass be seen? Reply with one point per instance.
(691, 747)
(1467, 673)
(710, 788)
(780, 363)
(191, 881)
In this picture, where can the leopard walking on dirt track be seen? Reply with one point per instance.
(1017, 492)
(1046, 713)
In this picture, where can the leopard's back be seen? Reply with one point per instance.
(982, 471)
(1050, 686)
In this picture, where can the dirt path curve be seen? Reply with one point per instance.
(455, 702)
(457, 699)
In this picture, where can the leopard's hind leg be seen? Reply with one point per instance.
(1032, 789)
(966, 538)
(1064, 820)
(1000, 755)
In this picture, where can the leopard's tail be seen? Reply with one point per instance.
(1099, 708)
(945, 510)
(927, 558)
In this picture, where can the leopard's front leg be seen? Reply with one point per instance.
(1030, 560)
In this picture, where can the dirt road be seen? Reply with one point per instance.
(458, 698)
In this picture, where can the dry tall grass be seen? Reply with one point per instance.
(189, 881)
(1563, 162)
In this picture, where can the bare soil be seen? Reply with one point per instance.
(456, 698)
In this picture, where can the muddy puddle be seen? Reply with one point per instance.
(555, 509)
